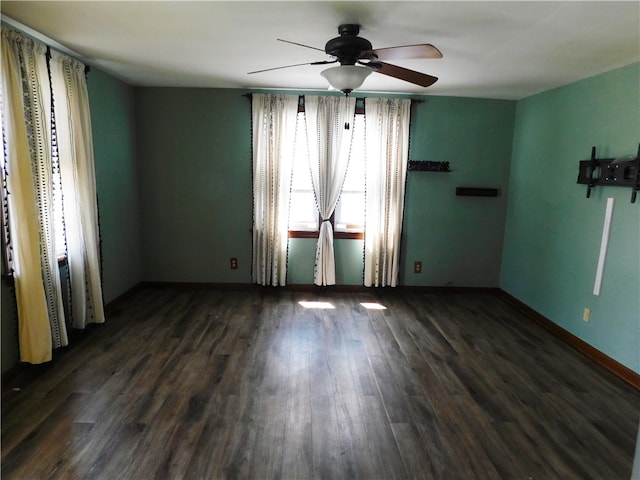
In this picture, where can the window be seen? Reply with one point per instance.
(47, 148)
(348, 218)
(60, 241)
(279, 215)
(303, 214)
(349, 214)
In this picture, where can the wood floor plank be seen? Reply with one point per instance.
(386, 456)
(394, 401)
(322, 383)
(414, 453)
(443, 461)
(153, 446)
(52, 458)
(194, 383)
(297, 454)
(356, 452)
(361, 371)
(173, 460)
(327, 454)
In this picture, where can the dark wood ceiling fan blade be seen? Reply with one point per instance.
(423, 50)
(322, 62)
(300, 44)
(407, 75)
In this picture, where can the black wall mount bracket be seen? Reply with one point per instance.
(619, 172)
(428, 166)
(476, 192)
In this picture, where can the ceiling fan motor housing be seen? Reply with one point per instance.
(348, 47)
(358, 55)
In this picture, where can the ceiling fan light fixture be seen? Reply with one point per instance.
(346, 77)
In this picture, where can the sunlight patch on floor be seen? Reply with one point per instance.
(324, 305)
(373, 306)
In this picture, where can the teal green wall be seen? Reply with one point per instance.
(457, 239)
(195, 182)
(348, 254)
(114, 145)
(553, 232)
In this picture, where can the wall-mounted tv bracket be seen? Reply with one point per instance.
(477, 192)
(428, 166)
(620, 172)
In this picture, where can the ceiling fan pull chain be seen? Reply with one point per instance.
(346, 106)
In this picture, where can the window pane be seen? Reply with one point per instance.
(354, 179)
(303, 214)
(350, 212)
(349, 215)
(301, 173)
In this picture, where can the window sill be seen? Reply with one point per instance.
(336, 235)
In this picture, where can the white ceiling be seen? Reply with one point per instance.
(491, 49)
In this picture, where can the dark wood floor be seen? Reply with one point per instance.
(206, 384)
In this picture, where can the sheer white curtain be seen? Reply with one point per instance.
(274, 124)
(329, 147)
(387, 143)
(75, 153)
(26, 110)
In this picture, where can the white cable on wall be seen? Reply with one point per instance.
(603, 246)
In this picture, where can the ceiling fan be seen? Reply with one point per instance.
(358, 59)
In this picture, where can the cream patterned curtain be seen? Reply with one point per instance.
(75, 153)
(26, 110)
(329, 147)
(387, 143)
(274, 123)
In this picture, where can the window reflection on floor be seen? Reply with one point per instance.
(373, 306)
(327, 305)
(324, 305)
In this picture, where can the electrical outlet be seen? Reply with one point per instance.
(586, 316)
(234, 263)
(417, 267)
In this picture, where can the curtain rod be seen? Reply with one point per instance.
(413, 100)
